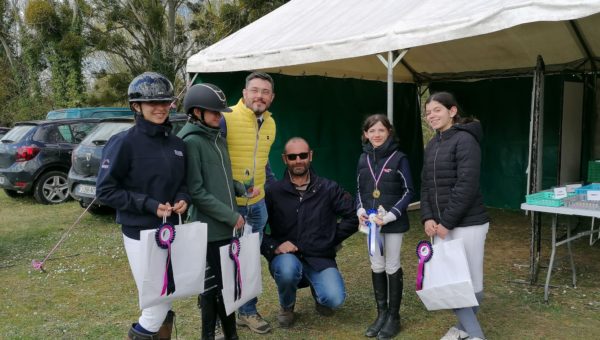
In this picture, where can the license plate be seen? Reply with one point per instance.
(86, 190)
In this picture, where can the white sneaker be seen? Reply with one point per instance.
(455, 334)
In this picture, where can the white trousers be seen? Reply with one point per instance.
(474, 240)
(390, 261)
(152, 317)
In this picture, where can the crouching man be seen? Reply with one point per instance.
(303, 211)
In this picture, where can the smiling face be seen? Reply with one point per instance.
(438, 116)
(377, 134)
(154, 112)
(258, 95)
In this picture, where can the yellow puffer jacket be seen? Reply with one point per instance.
(249, 147)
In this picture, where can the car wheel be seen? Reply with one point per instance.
(12, 193)
(51, 188)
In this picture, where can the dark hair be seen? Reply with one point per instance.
(374, 119)
(448, 100)
(260, 75)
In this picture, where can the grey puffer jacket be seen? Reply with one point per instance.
(450, 192)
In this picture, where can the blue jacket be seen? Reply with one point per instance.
(141, 168)
(311, 221)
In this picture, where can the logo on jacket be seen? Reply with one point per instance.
(105, 164)
(178, 153)
(387, 170)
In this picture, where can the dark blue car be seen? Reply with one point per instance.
(35, 157)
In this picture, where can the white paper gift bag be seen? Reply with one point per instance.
(447, 281)
(188, 261)
(250, 284)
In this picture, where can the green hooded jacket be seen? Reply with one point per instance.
(209, 180)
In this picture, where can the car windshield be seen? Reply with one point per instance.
(104, 131)
(17, 133)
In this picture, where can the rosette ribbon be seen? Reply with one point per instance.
(424, 253)
(165, 235)
(234, 253)
(374, 238)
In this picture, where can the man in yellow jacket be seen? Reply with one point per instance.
(250, 132)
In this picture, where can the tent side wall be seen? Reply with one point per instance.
(503, 106)
(328, 113)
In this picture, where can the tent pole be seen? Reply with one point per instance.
(390, 63)
(534, 169)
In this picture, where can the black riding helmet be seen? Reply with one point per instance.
(150, 87)
(204, 96)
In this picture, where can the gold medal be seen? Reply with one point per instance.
(376, 193)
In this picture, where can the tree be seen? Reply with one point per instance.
(145, 34)
(59, 24)
(215, 20)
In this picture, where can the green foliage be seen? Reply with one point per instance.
(40, 15)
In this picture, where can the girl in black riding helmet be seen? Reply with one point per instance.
(142, 176)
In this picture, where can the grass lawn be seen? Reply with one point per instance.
(87, 291)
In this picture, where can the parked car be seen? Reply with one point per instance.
(86, 158)
(3, 131)
(35, 157)
(90, 112)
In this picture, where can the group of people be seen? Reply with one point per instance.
(216, 170)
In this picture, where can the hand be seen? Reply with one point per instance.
(164, 210)
(240, 223)
(286, 247)
(362, 215)
(180, 207)
(430, 228)
(387, 218)
(253, 192)
(441, 231)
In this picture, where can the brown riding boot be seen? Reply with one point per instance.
(164, 332)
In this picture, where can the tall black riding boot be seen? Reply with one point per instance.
(380, 288)
(208, 311)
(227, 321)
(391, 327)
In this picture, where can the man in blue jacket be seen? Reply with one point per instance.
(303, 211)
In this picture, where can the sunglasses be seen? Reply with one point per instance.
(293, 156)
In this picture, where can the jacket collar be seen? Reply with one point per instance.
(384, 150)
(289, 186)
(152, 129)
(203, 129)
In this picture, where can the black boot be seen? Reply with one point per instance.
(227, 321)
(391, 327)
(164, 333)
(380, 287)
(133, 334)
(208, 311)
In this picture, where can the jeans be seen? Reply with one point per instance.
(288, 271)
(256, 216)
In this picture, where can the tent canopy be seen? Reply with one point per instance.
(445, 39)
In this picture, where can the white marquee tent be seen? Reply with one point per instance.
(441, 39)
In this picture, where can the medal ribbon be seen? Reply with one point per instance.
(377, 178)
(234, 253)
(165, 235)
(424, 253)
(374, 238)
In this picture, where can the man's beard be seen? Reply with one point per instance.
(299, 170)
